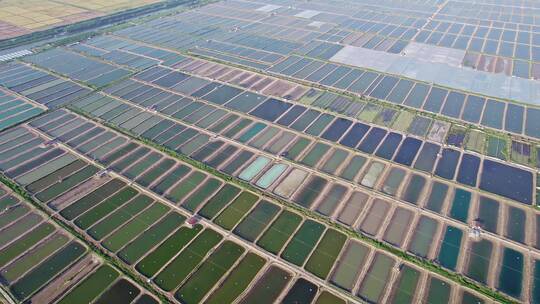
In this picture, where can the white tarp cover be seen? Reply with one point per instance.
(433, 53)
(268, 8)
(308, 14)
(461, 78)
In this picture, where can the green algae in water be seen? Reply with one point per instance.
(182, 265)
(105, 207)
(208, 274)
(38, 254)
(321, 261)
(85, 203)
(297, 148)
(256, 221)
(151, 263)
(119, 217)
(16, 248)
(41, 274)
(328, 298)
(181, 190)
(138, 224)
(219, 201)
(237, 280)
(315, 154)
(236, 210)
(302, 243)
(201, 194)
(92, 286)
(334, 161)
(150, 238)
(279, 232)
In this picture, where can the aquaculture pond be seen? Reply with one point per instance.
(123, 291)
(277, 234)
(423, 236)
(371, 288)
(511, 272)
(256, 221)
(232, 214)
(479, 259)
(334, 161)
(40, 275)
(302, 291)
(325, 254)
(217, 202)
(460, 205)
(203, 279)
(329, 202)
(373, 172)
(510, 182)
(151, 237)
(254, 168)
(200, 195)
(437, 197)
(375, 217)
(438, 292)
(488, 214)
(326, 297)
(515, 229)
(398, 227)
(450, 247)
(405, 286)
(181, 266)
(303, 242)
(349, 265)
(153, 261)
(271, 175)
(309, 192)
(393, 181)
(268, 287)
(290, 183)
(353, 206)
(119, 238)
(91, 287)
(237, 280)
(535, 293)
(414, 189)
